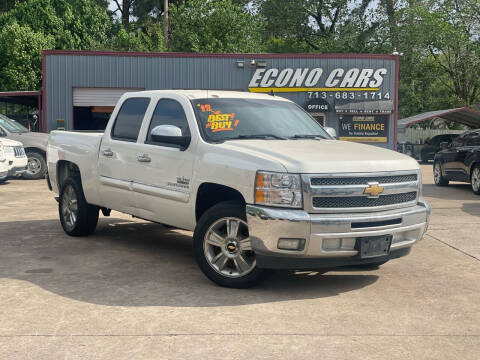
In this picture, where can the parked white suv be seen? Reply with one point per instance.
(3, 165)
(15, 159)
(258, 180)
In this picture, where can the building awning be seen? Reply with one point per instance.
(30, 98)
(464, 115)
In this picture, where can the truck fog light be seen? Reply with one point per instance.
(291, 244)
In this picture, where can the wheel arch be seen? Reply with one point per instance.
(474, 163)
(66, 169)
(210, 194)
(37, 150)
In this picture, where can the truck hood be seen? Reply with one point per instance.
(325, 156)
(9, 142)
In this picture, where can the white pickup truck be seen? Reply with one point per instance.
(261, 183)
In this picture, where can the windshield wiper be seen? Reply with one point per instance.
(257, 136)
(306, 136)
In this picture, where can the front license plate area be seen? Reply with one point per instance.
(373, 246)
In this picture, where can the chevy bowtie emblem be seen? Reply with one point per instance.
(373, 190)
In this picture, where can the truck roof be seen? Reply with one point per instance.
(202, 94)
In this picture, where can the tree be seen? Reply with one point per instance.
(34, 25)
(213, 26)
(6, 5)
(20, 60)
(450, 30)
(321, 25)
(148, 37)
(74, 24)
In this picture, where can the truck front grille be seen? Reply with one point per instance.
(319, 181)
(360, 192)
(362, 201)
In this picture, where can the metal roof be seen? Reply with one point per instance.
(30, 98)
(463, 115)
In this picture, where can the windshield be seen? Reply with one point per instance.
(11, 125)
(224, 119)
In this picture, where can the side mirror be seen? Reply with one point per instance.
(444, 145)
(331, 131)
(169, 134)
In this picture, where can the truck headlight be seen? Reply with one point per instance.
(278, 189)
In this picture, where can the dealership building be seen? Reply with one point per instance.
(357, 94)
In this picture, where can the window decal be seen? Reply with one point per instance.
(217, 121)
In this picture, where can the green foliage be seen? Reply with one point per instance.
(34, 25)
(148, 37)
(20, 60)
(322, 26)
(450, 31)
(439, 39)
(213, 26)
(74, 24)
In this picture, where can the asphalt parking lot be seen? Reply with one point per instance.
(133, 290)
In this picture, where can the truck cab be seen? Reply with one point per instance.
(260, 183)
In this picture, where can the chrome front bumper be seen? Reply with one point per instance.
(333, 236)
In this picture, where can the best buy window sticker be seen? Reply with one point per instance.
(217, 121)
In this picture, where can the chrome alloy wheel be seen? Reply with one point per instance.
(34, 166)
(476, 179)
(437, 173)
(69, 207)
(227, 247)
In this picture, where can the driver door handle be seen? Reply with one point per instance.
(108, 153)
(144, 158)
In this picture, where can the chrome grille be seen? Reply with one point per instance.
(18, 151)
(363, 201)
(340, 192)
(319, 181)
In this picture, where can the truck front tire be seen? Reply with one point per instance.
(78, 218)
(222, 247)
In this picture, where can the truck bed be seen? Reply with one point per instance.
(80, 148)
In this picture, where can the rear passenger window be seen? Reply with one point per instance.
(129, 119)
(168, 112)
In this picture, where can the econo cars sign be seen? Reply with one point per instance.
(305, 79)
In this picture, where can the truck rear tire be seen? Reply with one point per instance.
(37, 166)
(78, 218)
(222, 247)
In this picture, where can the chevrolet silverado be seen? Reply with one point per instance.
(260, 183)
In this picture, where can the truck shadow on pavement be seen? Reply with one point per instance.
(454, 191)
(129, 263)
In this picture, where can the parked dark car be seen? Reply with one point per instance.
(459, 161)
(432, 146)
